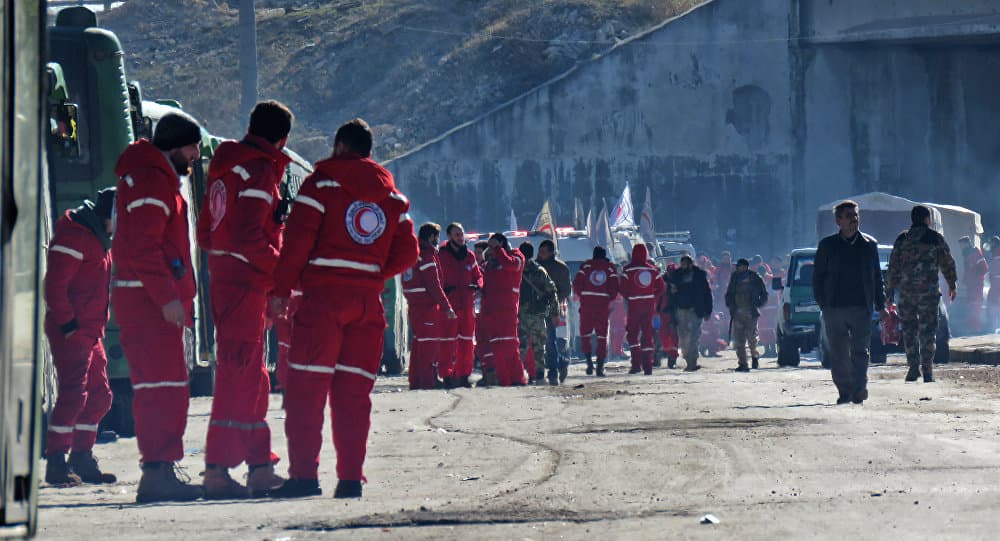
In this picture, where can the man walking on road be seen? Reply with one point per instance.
(641, 285)
(538, 305)
(691, 299)
(596, 284)
(349, 231)
(847, 285)
(557, 354)
(429, 310)
(240, 230)
(462, 278)
(76, 299)
(918, 255)
(745, 295)
(153, 294)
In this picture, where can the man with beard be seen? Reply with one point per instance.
(745, 295)
(501, 299)
(691, 300)
(918, 255)
(76, 299)
(240, 229)
(641, 286)
(847, 285)
(462, 279)
(975, 270)
(153, 294)
(428, 310)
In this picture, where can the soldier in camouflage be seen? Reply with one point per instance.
(917, 256)
(744, 297)
(538, 304)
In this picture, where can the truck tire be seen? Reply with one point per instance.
(788, 352)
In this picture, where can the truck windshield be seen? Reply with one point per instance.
(802, 271)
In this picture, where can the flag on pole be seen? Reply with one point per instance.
(590, 221)
(601, 236)
(545, 223)
(646, 228)
(623, 215)
(513, 221)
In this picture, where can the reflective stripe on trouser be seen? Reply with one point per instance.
(425, 346)
(744, 334)
(336, 351)
(283, 330)
(237, 430)
(458, 343)
(639, 334)
(594, 326)
(501, 328)
(158, 370)
(688, 334)
(84, 395)
(920, 322)
(531, 332)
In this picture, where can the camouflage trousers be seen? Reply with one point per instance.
(744, 333)
(688, 334)
(920, 322)
(532, 327)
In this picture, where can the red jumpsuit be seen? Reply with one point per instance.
(152, 254)
(596, 284)
(76, 297)
(283, 329)
(641, 286)
(461, 278)
(348, 232)
(238, 230)
(427, 307)
(973, 277)
(501, 296)
(668, 328)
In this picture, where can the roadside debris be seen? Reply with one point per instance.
(709, 519)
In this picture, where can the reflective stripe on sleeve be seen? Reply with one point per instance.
(427, 266)
(258, 194)
(328, 184)
(241, 257)
(68, 251)
(239, 170)
(148, 201)
(311, 202)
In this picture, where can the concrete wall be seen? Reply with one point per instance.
(844, 18)
(698, 111)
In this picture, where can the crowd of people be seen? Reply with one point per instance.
(315, 267)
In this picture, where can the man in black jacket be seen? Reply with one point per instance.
(847, 284)
(691, 299)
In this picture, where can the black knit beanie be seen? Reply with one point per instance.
(105, 203)
(176, 130)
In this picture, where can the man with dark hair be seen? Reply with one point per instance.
(501, 298)
(355, 137)
(745, 294)
(153, 294)
(975, 269)
(349, 231)
(480, 248)
(77, 282)
(428, 310)
(538, 304)
(596, 284)
(691, 301)
(462, 279)
(918, 255)
(240, 230)
(847, 285)
(556, 349)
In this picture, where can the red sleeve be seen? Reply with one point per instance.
(64, 259)
(301, 232)
(578, 282)
(614, 283)
(404, 251)
(477, 276)
(661, 286)
(508, 258)
(149, 207)
(430, 272)
(254, 208)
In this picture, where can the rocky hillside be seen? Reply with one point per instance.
(412, 68)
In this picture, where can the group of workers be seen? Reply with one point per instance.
(331, 250)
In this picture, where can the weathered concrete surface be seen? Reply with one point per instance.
(976, 349)
(742, 118)
(627, 457)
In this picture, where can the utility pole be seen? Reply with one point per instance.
(248, 57)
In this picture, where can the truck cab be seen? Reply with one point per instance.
(798, 325)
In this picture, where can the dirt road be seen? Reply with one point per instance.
(625, 457)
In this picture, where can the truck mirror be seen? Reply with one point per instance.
(776, 284)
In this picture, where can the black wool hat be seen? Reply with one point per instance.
(176, 130)
(105, 203)
(743, 262)
(600, 252)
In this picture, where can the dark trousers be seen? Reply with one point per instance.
(848, 334)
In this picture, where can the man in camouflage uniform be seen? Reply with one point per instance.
(538, 303)
(744, 296)
(917, 256)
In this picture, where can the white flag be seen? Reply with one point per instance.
(545, 223)
(623, 215)
(513, 221)
(602, 235)
(646, 220)
(590, 221)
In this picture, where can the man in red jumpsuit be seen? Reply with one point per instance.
(975, 270)
(668, 327)
(283, 330)
(641, 286)
(240, 230)
(462, 278)
(76, 298)
(349, 231)
(596, 284)
(153, 293)
(428, 310)
(501, 296)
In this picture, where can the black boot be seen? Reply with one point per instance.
(600, 368)
(590, 365)
(913, 374)
(755, 363)
(563, 373)
(347, 489)
(928, 373)
(59, 473)
(671, 362)
(297, 488)
(85, 465)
